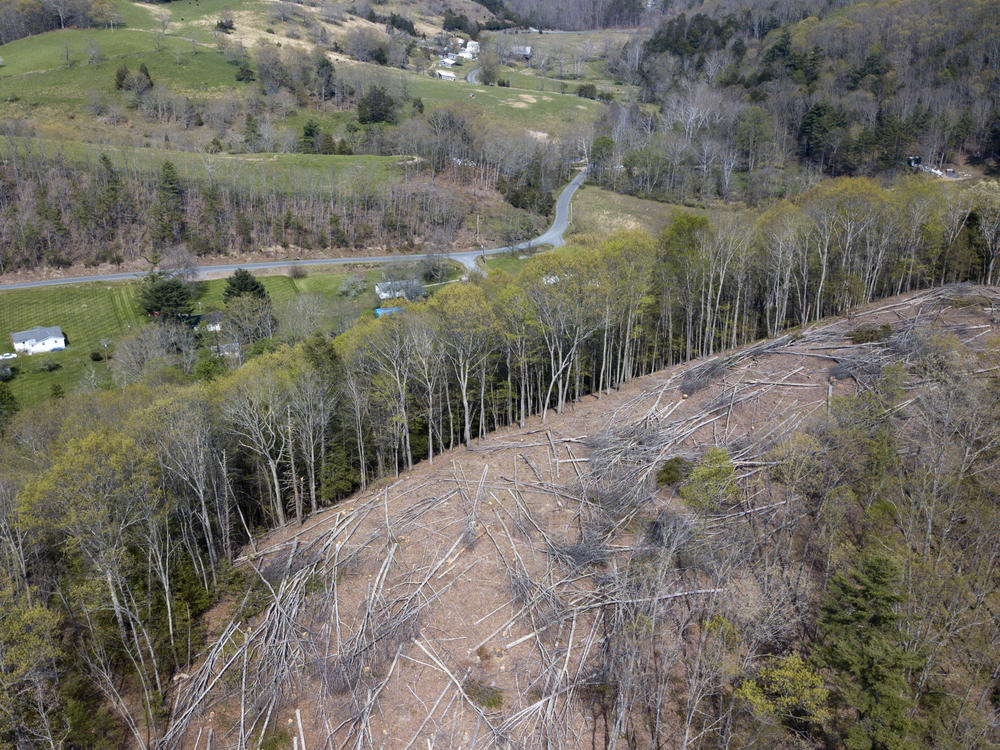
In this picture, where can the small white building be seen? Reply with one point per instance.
(446, 62)
(446, 75)
(472, 46)
(212, 322)
(466, 55)
(39, 339)
(409, 289)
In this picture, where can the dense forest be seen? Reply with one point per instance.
(122, 510)
(747, 97)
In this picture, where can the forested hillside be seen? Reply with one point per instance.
(125, 510)
(747, 96)
(59, 212)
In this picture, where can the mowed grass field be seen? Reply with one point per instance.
(546, 112)
(88, 314)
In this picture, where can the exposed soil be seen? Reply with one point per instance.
(463, 537)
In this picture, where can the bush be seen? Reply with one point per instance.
(245, 74)
(674, 471)
(209, 367)
(352, 287)
(711, 483)
(487, 696)
(869, 334)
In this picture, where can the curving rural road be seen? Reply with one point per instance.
(468, 258)
(473, 76)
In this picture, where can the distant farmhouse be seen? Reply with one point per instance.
(39, 339)
(409, 289)
(520, 50)
(447, 75)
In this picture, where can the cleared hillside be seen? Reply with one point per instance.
(561, 583)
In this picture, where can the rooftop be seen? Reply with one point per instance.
(38, 333)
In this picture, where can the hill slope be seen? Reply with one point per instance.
(550, 587)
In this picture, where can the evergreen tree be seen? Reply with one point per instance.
(860, 642)
(251, 133)
(165, 296)
(121, 75)
(376, 106)
(167, 226)
(242, 283)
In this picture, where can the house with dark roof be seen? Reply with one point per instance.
(38, 340)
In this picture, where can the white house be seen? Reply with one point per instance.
(472, 46)
(410, 289)
(466, 55)
(446, 75)
(39, 339)
(446, 62)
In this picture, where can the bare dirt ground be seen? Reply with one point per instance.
(450, 607)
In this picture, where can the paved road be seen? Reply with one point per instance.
(473, 76)
(468, 258)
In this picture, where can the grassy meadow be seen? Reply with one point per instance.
(284, 172)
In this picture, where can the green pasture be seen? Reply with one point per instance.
(94, 314)
(548, 111)
(284, 172)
